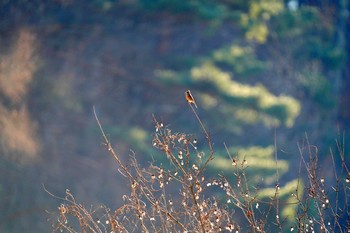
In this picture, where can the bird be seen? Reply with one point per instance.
(190, 98)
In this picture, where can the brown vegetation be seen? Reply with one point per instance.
(18, 132)
(237, 206)
(17, 68)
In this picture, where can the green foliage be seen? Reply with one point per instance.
(208, 76)
(259, 165)
(254, 151)
(172, 5)
(254, 21)
(203, 9)
(64, 92)
(260, 160)
(132, 136)
(315, 53)
(241, 59)
(318, 88)
(312, 35)
(284, 108)
(252, 15)
(284, 192)
(287, 200)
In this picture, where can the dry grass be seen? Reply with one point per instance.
(152, 206)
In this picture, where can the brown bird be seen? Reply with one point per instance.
(190, 98)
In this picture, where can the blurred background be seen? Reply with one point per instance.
(253, 66)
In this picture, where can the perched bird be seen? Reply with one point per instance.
(190, 98)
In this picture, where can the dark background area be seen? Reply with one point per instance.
(253, 67)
